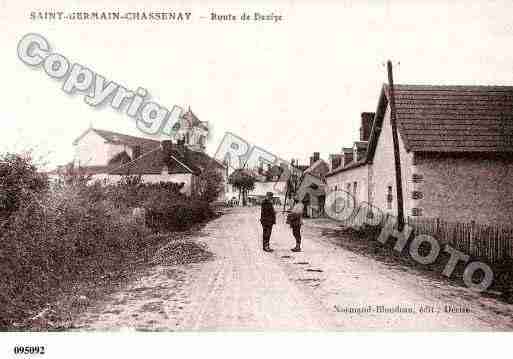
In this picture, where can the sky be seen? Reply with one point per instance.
(291, 87)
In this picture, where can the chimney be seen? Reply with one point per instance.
(366, 125)
(335, 160)
(347, 156)
(359, 150)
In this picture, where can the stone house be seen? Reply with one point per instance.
(456, 152)
(96, 150)
(107, 155)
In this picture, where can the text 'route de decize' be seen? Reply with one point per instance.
(246, 17)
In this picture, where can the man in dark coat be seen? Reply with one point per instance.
(268, 219)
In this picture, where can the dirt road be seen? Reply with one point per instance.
(325, 287)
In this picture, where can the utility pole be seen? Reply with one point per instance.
(290, 186)
(286, 195)
(397, 158)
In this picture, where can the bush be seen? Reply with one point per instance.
(52, 239)
(175, 213)
(59, 238)
(19, 180)
(131, 192)
(166, 208)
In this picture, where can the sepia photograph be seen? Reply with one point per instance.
(288, 176)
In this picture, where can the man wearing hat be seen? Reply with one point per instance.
(267, 219)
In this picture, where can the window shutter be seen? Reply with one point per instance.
(417, 178)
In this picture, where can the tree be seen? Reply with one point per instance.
(209, 184)
(244, 181)
(69, 175)
(19, 179)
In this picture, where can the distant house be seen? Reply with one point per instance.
(170, 162)
(314, 199)
(278, 189)
(269, 180)
(456, 152)
(97, 151)
(107, 155)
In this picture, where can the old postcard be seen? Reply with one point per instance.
(221, 166)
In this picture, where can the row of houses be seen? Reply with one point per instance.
(108, 156)
(455, 149)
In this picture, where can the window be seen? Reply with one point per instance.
(355, 189)
(416, 212)
(389, 198)
(348, 187)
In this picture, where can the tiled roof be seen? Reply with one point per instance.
(119, 138)
(446, 119)
(455, 118)
(153, 162)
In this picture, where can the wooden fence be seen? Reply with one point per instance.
(491, 242)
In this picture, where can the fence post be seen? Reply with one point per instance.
(472, 236)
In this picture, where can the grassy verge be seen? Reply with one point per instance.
(78, 294)
(364, 241)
